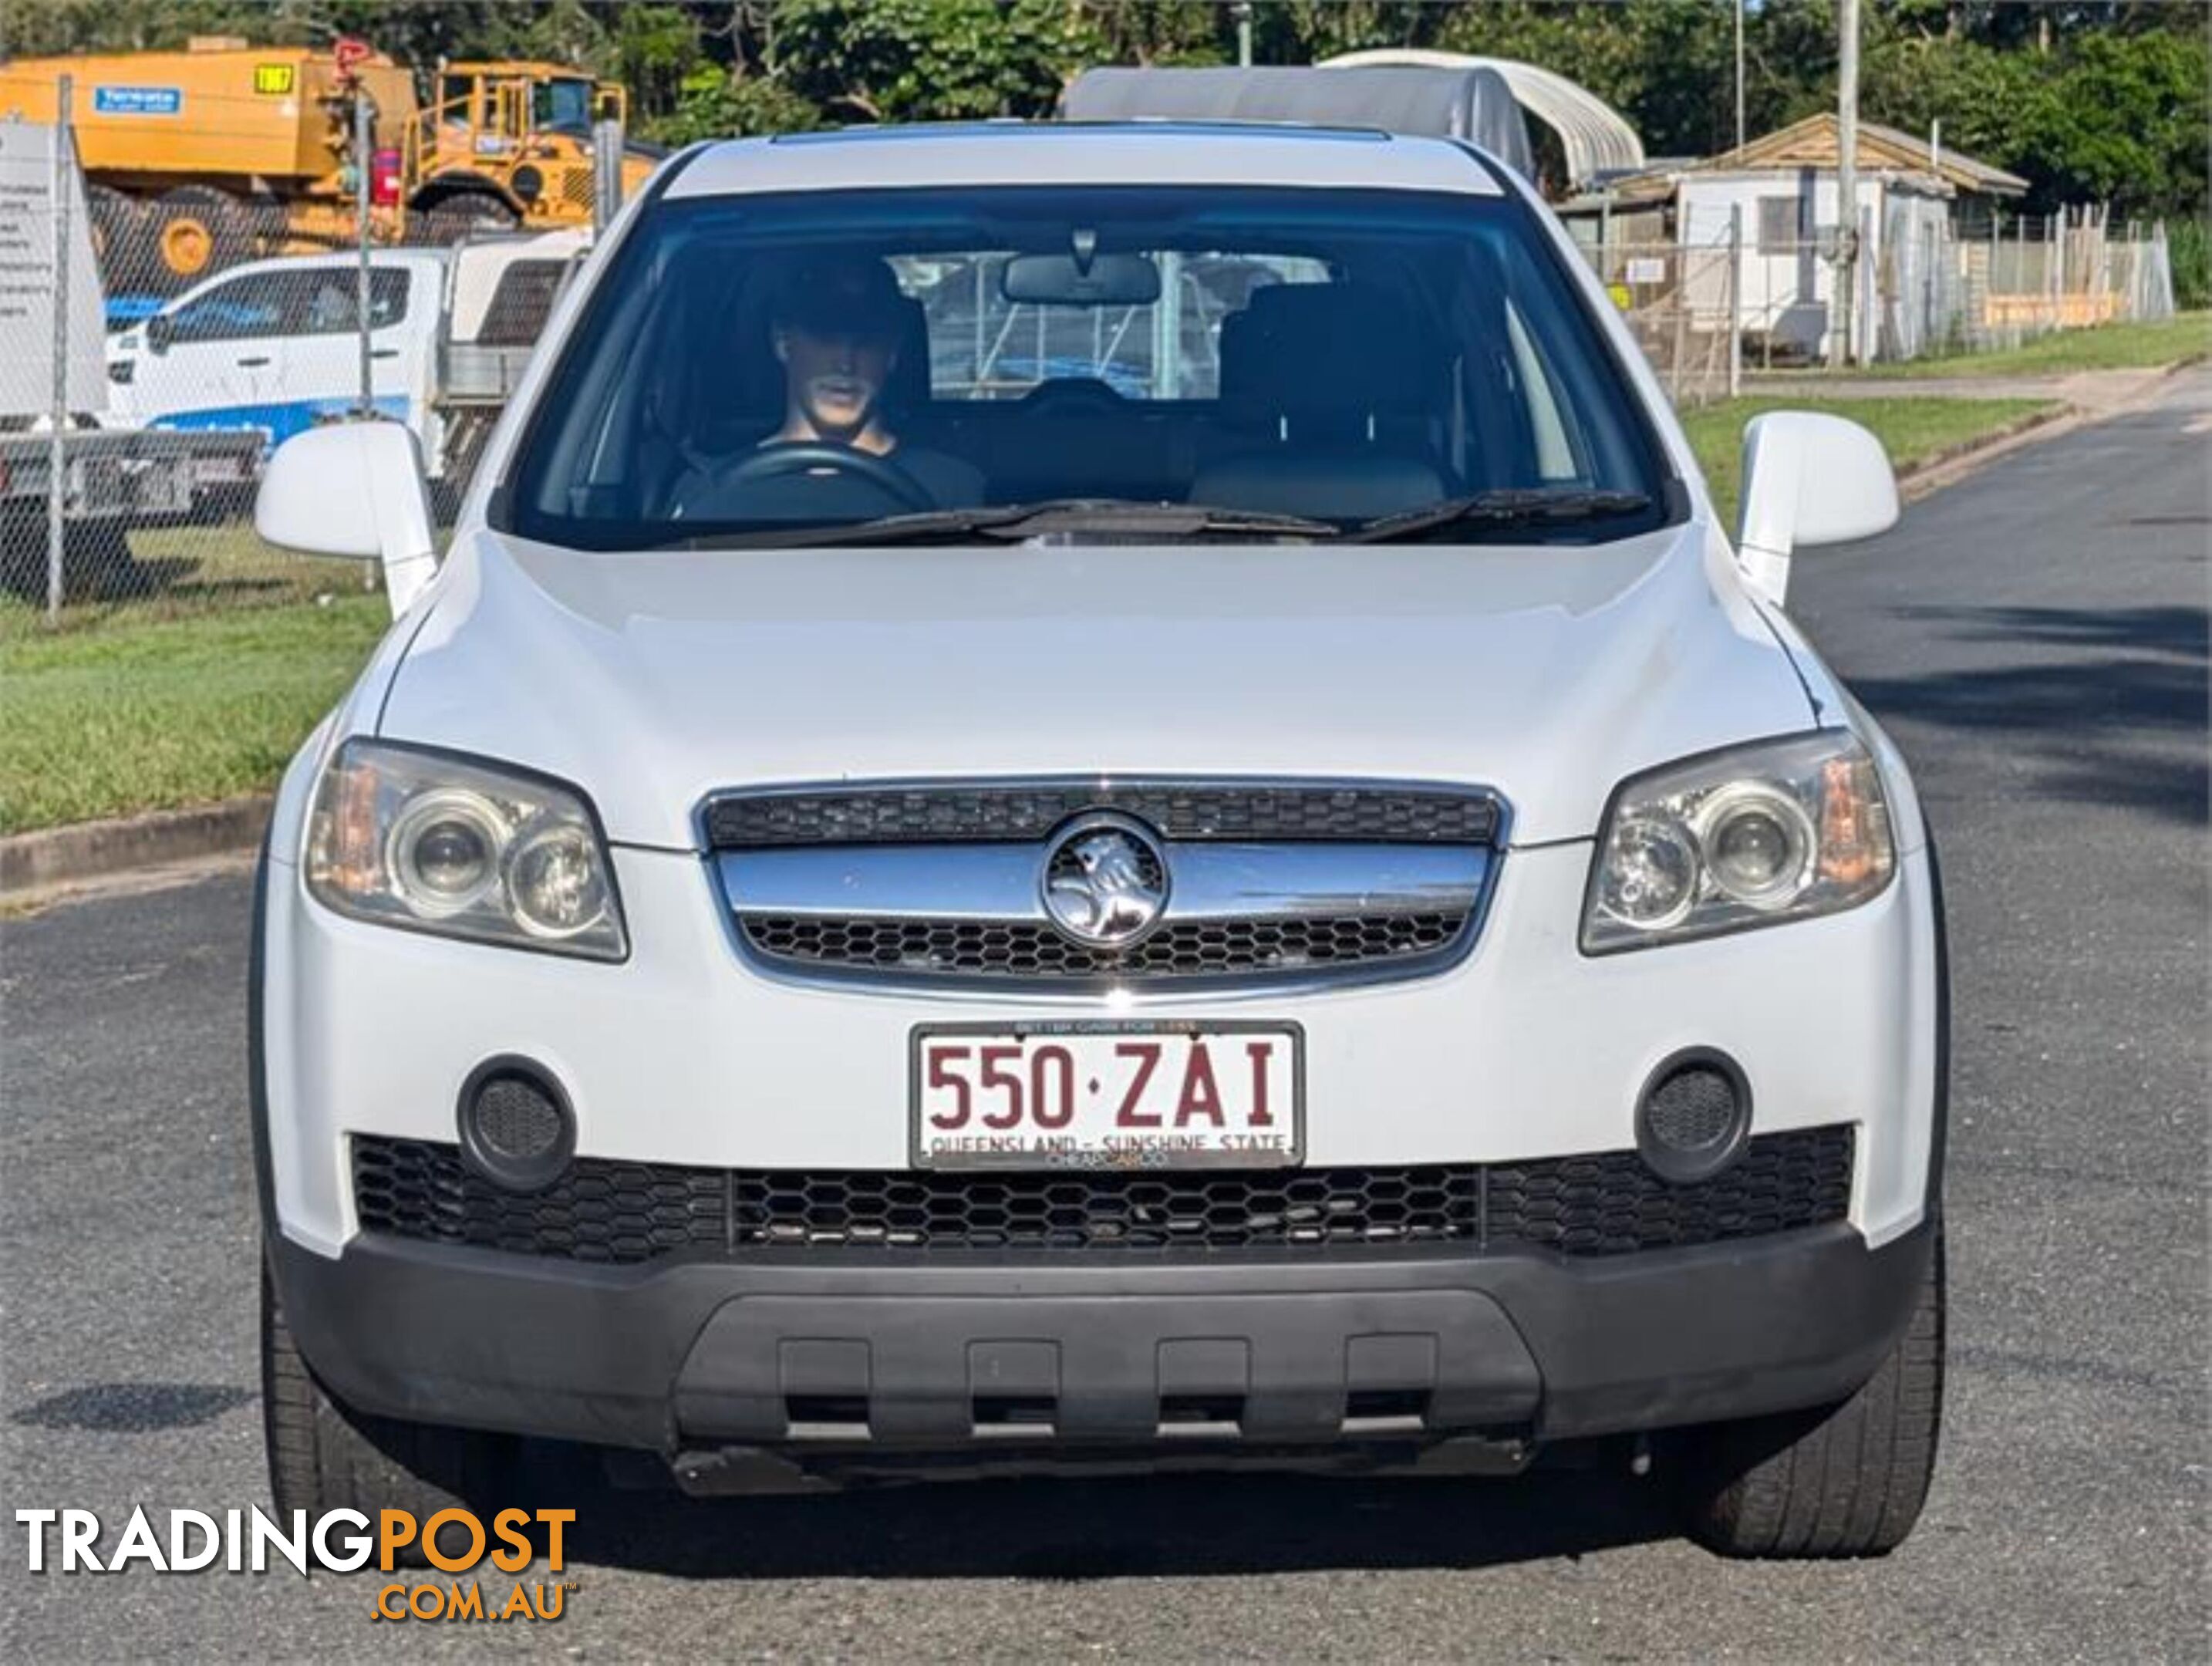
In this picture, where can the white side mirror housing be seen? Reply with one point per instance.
(356, 489)
(1808, 479)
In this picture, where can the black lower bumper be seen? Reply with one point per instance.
(846, 1350)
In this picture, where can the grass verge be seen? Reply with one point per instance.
(1913, 430)
(155, 715)
(2107, 347)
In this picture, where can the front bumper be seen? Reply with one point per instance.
(850, 1352)
(683, 1055)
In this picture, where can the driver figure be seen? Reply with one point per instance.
(835, 325)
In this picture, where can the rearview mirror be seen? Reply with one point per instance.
(353, 489)
(1808, 479)
(1055, 280)
(159, 332)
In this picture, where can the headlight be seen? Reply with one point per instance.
(1776, 831)
(463, 849)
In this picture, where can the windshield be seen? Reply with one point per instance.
(810, 361)
(562, 105)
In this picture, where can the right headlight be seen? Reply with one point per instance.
(462, 847)
(1779, 830)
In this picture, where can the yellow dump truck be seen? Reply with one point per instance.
(198, 158)
(511, 142)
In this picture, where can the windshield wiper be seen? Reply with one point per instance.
(1508, 508)
(1014, 521)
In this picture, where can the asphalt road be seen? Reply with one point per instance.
(2036, 637)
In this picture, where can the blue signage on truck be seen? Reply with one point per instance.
(137, 101)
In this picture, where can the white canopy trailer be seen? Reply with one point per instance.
(1595, 138)
(1471, 102)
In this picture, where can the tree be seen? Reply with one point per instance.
(907, 60)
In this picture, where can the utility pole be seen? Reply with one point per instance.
(1739, 74)
(64, 182)
(364, 145)
(606, 175)
(1243, 12)
(1847, 184)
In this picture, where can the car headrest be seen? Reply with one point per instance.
(1336, 352)
(907, 386)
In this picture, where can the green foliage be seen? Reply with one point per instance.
(2133, 346)
(712, 103)
(653, 50)
(2188, 247)
(145, 715)
(2115, 116)
(914, 60)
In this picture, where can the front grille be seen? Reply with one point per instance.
(1014, 949)
(1610, 1203)
(923, 882)
(597, 1211)
(1601, 1205)
(927, 813)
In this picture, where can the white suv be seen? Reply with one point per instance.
(1099, 794)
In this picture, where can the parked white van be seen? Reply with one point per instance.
(274, 345)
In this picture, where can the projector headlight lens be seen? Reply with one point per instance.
(1780, 830)
(463, 847)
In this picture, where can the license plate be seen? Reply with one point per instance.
(1109, 1095)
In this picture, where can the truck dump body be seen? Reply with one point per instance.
(221, 153)
(226, 117)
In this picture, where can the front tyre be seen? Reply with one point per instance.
(324, 1456)
(1837, 1481)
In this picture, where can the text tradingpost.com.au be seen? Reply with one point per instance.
(455, 1542)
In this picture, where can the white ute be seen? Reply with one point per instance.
(1099, 795)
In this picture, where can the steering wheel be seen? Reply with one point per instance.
(787, 457)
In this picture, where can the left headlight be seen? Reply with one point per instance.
(1753, 836)
(463, 849)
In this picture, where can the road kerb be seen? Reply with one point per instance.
(1953, 463)
(57, 857)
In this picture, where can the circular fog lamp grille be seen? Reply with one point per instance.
(516, 1128)
(1694, 1116)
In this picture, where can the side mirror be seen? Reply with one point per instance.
(354, 489)
(159, 333)
(1808, 479)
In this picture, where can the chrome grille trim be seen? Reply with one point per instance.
(999, 882)
(928, 885)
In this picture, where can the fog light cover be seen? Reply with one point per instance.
(1693, 1118)
(516, 1128)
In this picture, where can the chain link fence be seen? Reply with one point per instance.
(2061, 271)
(1704, 313)
(1683, 306)
(154, 348)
